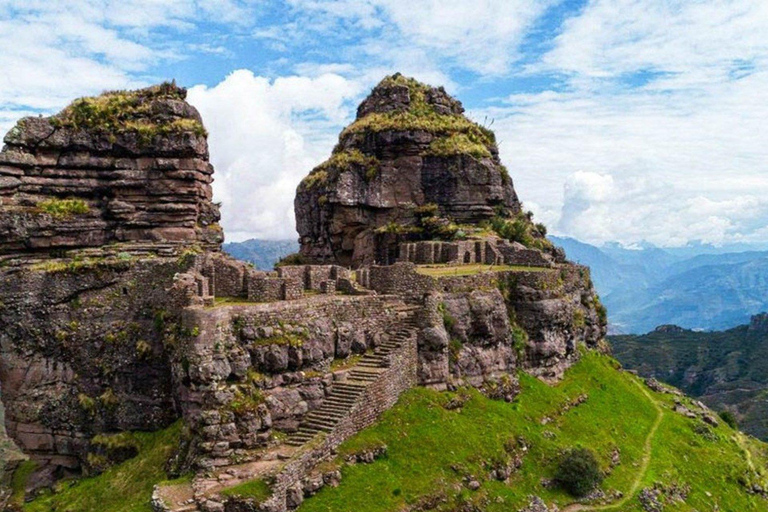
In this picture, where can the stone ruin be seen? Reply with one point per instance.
(118, 312)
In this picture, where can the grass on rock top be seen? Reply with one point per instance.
(421, 115)
(128, 111)
(432, 451)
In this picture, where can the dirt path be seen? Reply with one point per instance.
(644, 463)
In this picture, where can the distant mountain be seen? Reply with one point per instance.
(262, 253)
(726, 370)
(649, 286)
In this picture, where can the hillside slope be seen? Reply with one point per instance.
(435, 453)
(726, 370)
(442, 448)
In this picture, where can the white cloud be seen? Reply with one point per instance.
(54, 50)
(653, 111)
(599, 208)
(263, 143)
(483, 36)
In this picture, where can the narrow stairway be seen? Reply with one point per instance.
(345, 394)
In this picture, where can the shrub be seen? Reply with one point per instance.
(292, 259)
(63, 208)
(729, 418)
(578, 472)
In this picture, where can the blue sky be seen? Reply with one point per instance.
(620, 120)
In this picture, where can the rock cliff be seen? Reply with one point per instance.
(120, 167)
(410, 146)
(102, 205)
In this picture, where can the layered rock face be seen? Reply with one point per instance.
(409, 147)
(121, 167)
(101, 206)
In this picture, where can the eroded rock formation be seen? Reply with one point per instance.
(102, 205)
(410, 146)
(120, 167)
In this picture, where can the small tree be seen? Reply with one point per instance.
(578, 472)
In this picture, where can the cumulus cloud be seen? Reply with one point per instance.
(599, 208)
(265, 136)
(663, 105)
(56, 50)
(483, 36)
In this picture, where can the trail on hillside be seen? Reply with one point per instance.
(644, 463)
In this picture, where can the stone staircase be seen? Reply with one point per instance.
(345, 394)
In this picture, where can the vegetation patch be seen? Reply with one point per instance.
(123, 488)
(420, 116)
(246, 401)
(578, 472)
(521, 229)
(340, 161)
(63, 208)
(292, 259)
(257, 490)
(19, 482)
(458, 144)
(116, 112)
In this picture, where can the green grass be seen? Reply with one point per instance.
(256, 489)
(116, 112)
(19, 482)
(431, 449)
(423, 116)
(63, 208)
(123, 488)
(458, 144)
(469, 270)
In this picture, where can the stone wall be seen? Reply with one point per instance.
(377, 398)
(278, 354)
(231, 278)
(466, 252)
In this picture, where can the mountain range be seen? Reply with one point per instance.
(696, 288)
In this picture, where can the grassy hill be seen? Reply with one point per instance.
(726, 370)
(442, 448)
(433, 452)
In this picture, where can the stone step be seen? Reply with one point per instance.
(336, 399)
(327, 413)
(333, 407)
(371, 364)
(369, 371)
(367, 378)
(322, 424)
(344, 385)
(344, 394)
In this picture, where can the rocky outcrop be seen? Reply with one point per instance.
(103, 205)
(120, 167)
(410, 147)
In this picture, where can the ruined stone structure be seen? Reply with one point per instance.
(118, 312)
